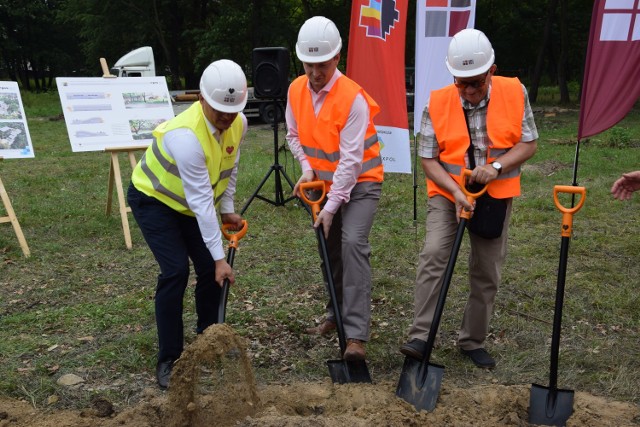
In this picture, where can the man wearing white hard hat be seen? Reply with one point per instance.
(483, 123)
(186, 176)
(331, 133)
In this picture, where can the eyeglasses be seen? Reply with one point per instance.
(475, 84)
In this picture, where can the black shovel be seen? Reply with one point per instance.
(420, 380)
(549, 405)
(341, 371)
(233, 239)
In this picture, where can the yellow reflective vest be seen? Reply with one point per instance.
(157, 175)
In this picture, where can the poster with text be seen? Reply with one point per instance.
(15, 141)
(113, 113)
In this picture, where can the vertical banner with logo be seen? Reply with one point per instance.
(375, 61)
(436, 22)
(611, 86)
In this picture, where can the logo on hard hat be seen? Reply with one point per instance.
(231, 90)
(468, 62)
(229, 98)
(313, 49)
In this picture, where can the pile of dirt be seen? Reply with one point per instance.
(213, 384)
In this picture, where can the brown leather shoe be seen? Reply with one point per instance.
(324, 328)
(355, 350)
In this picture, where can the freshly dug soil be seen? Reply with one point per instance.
(213, 384)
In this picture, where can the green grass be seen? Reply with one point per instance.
(83, 303)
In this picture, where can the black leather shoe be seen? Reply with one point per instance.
(480, 357)
(163, 372)
(415, 348)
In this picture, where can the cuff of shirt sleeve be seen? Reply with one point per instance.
(217, 253)
(305, 166)
(332, 206)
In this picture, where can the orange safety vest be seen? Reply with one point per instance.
(504, 127)
(320, 136)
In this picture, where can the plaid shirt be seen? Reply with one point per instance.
(477, 116)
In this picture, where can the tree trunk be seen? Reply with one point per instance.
(546, 41)
(564, 53)
(24, 72)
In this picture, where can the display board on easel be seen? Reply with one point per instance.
(114, 115)
(107, 113)
(15, 142)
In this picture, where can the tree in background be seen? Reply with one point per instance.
(42, 39)
(543, 42)
(34, 47)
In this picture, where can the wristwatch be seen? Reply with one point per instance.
(497, 166)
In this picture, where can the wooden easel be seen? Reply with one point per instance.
(11, 217)
(115, 178)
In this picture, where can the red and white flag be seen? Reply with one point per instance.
(437, 21)
(375, 61)
(611, 83)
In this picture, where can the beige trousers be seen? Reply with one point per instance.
(485, 264)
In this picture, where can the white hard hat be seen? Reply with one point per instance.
(224, 86)
(470, 54)
(318, 40)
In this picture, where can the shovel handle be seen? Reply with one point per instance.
(567, 213)
(315, 204)
(234, 238)
(471, 197)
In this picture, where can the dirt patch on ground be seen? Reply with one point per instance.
(547, 168)
(213, 384)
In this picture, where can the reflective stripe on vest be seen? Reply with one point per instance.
(320, 136)
(504, 128)
(158, 176)
(335, 156)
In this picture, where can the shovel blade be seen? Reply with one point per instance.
(343, 371)
(549, 406)
(417, 387)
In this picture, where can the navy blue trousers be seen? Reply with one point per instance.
(174, 238)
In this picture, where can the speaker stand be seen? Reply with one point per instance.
(276, 168)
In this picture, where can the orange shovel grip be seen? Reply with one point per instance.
(315, 204)
(471, 197)
(233, 238)
(567, 213)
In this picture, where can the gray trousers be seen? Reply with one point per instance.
(349, 253)
(485, 264)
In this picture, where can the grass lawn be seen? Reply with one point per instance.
(83, 303)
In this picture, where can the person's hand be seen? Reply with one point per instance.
(307, 176)
(224, 271)
(325, 219)
(462, 203)
(626, 185)
(234, 219)
(483, 174)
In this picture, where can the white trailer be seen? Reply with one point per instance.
(140, 63)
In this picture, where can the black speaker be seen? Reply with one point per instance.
(270, 72)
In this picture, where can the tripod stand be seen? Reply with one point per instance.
(276, 168)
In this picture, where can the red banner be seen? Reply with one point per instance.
(611, 83)
(375, 57)
(375, 60)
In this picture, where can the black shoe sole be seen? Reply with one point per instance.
(411, 352)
